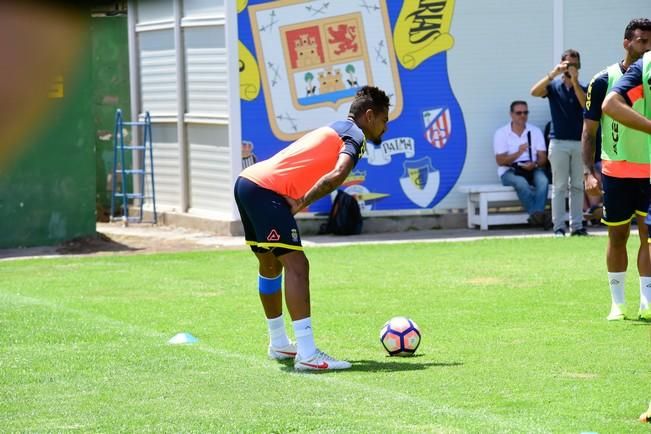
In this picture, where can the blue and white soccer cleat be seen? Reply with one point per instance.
(644, 314)
(646, 416)
(284, 353)
(617, 312)
(320, 361)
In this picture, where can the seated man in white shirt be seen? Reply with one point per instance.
(521, 156)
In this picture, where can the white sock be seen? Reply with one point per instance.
(277, 334)
(617, 282)
(645, 292)
(304, 338)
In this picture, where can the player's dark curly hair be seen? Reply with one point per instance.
(369, 97)
(643, 24)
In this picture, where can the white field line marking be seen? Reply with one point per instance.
(210, 244)
(378, 393)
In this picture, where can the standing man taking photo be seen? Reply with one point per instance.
(566, 102)
(625, 173)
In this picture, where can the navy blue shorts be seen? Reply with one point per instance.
(268, 222)
(624, 198)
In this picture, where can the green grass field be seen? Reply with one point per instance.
(514, 340)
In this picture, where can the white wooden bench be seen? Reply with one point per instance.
(493, 204)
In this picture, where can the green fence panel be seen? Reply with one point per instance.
(47, 192)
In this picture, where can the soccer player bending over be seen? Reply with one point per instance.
(270, 192)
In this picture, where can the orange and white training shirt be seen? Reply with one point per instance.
(295, 169)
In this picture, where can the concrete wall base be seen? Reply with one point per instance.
(310, 225)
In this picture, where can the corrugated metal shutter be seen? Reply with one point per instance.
(149, 11)
(200, 8)
(209, 160)
(158, 72)
(166, 166)
(206, 71)
(186, 93)
(158, 83)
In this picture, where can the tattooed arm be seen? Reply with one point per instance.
(326, 184)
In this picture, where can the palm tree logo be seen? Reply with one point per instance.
(310, 88)
(352, 78)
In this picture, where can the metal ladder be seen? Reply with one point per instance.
(134, 176)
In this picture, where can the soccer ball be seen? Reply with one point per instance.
(400, 336)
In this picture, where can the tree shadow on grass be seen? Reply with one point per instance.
(93, 244)
(97, 243)
(639, 322)
(397, 364)
(390, 364)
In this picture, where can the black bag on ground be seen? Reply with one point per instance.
(345, 217)
(526, 174)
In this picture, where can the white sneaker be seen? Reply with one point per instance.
(320, 361)
(287, 352)
(616, 312)
(646, 416)
(644, 314)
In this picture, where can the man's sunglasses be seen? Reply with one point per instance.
(519, 113)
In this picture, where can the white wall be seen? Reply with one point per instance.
(602, 45)
(502, 48)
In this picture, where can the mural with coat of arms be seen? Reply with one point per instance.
(301, 63)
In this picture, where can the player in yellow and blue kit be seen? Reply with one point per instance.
(629, 103)
(620, 104)
(625, 169)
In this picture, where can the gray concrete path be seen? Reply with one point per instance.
(211, 240)
(113, 238)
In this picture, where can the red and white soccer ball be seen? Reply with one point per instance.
(400, 336)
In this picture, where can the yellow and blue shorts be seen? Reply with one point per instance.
(624, 198)
(267, 219)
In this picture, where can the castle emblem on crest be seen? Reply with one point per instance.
(326, 57)
(312, 64)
